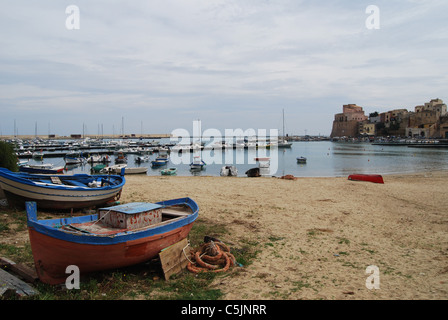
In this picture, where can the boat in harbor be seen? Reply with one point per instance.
(74, 157)
(60, 192)
(46, 168)
(301, 160)
(121, 158)
(114, 237)
(169, 172)
(375, 178)
(140, 159)
(229, 171)
(134, 170)
(198, 164)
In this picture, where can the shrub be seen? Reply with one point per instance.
(8, 158)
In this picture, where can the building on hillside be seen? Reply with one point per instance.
(347, 123)
(425, 121)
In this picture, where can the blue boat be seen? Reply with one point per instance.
(114, 237)
(60, 191)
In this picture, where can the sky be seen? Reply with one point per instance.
(156, 66)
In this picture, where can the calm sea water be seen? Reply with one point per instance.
(325, 159)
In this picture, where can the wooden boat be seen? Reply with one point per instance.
(97, 168)
(61, 191)
(229, 171)
(114, 237)
(159, 162)
(135, 170)
(301, 160)
(121, 158)
(140, 159)
(375, 178)
(74, 157)
(169, 172)
(254, 172)
(197, 164)
(46, 168)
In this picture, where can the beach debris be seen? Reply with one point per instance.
(289, 177)
(212, 256)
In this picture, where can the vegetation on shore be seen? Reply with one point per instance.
(140, 282)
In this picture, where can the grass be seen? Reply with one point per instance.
(140, 282)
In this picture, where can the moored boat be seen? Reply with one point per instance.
(169, 172)
(61, 191)
(301, 160)
(375, 178)
(198, 164)
(114, 237)
(46, 168)
(229, 171)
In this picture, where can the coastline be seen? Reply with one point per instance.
(317, 236)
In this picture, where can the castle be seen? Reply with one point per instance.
(426, 121)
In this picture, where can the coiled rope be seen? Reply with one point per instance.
(212, 256)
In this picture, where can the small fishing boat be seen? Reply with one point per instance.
(97, 168)
(121, 158)
(134, 170)
(140, 159)
(169, 172)
(114, 237)
(38, 155)
(197, 164)
(46, 168)
(159, 162)
(375, 178)
(253, 173)
(301, 160)
(229, 171)
(60, 191)
(74, 157)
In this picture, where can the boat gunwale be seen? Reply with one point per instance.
(25, 178)
(53, 227)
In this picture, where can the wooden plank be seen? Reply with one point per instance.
(56, 180)
(21, 270)
(173, 258)
(9, 283)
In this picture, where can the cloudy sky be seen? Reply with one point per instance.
(158, 65)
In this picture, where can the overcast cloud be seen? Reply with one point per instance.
(230, 63)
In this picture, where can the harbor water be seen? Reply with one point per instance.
(324, 159)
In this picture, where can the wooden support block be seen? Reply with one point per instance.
(9, 284)
(21, 270)
(56, 180)
(173, 258)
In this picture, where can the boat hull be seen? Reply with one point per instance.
(56, 197)
(52, 256)
(375, 178)
(55, 249)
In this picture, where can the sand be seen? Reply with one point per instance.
(317, 236)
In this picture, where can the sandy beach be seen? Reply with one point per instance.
(317, 236)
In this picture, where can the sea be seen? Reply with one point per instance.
(324, 159)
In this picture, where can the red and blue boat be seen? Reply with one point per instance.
(114, 237)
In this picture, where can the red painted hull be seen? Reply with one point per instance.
(52, 256)
(375, 178)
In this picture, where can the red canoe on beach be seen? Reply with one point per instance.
(376, 178)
